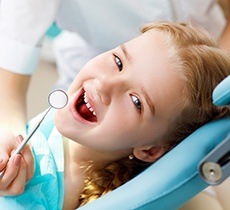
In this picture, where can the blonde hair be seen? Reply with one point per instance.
(202, 65)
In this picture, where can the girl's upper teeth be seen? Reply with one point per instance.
(88, 104)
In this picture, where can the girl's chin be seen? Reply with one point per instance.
(59, 121)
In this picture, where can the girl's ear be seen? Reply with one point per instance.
(148, 153)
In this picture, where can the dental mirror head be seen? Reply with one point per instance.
(58, 99)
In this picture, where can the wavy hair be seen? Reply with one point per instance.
(202, 65)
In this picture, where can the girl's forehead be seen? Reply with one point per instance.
(159, 77)
(151, 43)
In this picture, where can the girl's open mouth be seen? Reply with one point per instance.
(85, 109)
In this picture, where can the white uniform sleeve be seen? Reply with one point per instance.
(207, 14)
(22, 26)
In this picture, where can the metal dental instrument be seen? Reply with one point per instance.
(57, 99)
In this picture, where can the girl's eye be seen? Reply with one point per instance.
(118, 63)
(136, 102)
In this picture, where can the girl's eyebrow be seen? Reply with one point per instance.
(126, 53)
(143, 91)
(148, 101)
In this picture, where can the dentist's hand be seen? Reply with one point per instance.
(18, 169)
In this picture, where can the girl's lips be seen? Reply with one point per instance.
(82, 108)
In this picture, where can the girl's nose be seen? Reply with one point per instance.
(109, 86)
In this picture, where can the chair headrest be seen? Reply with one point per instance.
(221, 94)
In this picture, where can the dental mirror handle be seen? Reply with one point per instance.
(24, 142)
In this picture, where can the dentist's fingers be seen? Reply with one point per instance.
(28, 157)
(18, 169)
(8, 143)
(14, 181)
(4, 158)
(10, 173)
(17, 186)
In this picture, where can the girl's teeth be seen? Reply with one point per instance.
(85, 98)
(88, 104)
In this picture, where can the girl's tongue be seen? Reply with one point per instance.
(85, 113)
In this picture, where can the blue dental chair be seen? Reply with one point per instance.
(202, 159)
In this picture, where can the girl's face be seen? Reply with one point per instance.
(124, 98)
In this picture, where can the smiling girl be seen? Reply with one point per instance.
(127, 107)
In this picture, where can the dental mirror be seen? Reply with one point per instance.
(57, 99)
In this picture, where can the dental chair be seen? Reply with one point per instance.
(202, 159)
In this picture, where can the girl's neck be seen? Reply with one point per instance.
(84, 156)
(75, 164)
(77, 160)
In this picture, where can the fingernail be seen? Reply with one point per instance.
(19, 138)
(17, 160)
